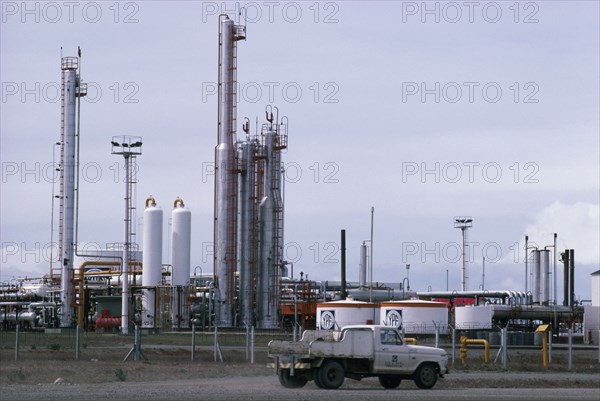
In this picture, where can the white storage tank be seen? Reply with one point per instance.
(337, 314)
(473, 317)
(152, 259)
(181, 218)
(415, 316)
(181, 232)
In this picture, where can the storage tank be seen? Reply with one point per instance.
(415, 316)
(152, 259)
(473, 317)
(181, 218)
(337, 314)
(544, 262)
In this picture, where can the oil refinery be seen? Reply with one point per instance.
(132, 283)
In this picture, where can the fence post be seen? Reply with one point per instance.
(453, 344)
(215, 344)
(570, 348)
(193, 341)
(247, 343)
(550, 346)
(504, 346)
(77, 343)
(437, 334)
(252, 345)
(17, 342)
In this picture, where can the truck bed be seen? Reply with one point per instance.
(321, 343)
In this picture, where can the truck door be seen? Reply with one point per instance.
(391, 354)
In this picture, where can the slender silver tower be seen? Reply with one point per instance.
(225, 173)
(271, 226)
(247, 218)
(68, 146)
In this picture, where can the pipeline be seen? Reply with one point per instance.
(80, 309)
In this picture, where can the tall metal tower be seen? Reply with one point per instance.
(225, 242)
(71, 92)
(129, 147)
(464, 223)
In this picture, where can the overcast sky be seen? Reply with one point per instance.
(424, 111)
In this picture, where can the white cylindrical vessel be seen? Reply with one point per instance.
(362, 267)
(544, 276)
(181, 237)
(337, 314)
(415, 316)
(535, 268)
(152, 260)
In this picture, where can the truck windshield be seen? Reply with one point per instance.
(390, 337)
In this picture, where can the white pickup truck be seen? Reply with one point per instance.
(327, 357)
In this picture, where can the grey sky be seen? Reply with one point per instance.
(361, 130)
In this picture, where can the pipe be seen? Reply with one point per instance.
(464, 342)
(566, 264)
(177, 202)
(81, 278)
(151, 200)
(572, 277)
(526, 257)
(343, 258)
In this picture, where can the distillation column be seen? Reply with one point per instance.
(225, 175)
(67, 187)
(271, 229)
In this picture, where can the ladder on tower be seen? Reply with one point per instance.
(56, 262)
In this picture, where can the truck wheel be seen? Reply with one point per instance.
(390, 381)
(290, 381)
(330, 375)
(425, 376)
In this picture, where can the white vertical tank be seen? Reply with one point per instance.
(181, 237)
(152, 260)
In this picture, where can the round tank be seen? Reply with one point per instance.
(415, 316)
(152, 256)
(38, 290)
(337, 314)
(181, 218)
(151, 260)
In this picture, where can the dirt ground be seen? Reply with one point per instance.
(104, 365)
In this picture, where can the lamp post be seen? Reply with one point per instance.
(464, 223)
(407, 277)
(129, 147)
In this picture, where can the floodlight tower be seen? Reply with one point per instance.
(464, 223)
(129, 147)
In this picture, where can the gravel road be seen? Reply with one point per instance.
(464, 386)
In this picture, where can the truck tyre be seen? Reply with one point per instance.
(425, 376)
(330, 374)
(290, 381)
(390, 381)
